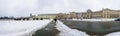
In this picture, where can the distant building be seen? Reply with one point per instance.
(67, 16)
(104, 13)
(46, 16)
(73, 15)
(63, 16)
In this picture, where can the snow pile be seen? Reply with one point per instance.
(101, 19)
(21, 28)
(66, 31)
(113, 34)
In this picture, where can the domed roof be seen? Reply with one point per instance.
(89, 10)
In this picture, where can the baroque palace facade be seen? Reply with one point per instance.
(104, 13)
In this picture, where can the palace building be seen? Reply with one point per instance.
(46, 16)
(104, 13)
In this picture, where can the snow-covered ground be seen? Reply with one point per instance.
(100, 19)
(113, 34)
(66, 31)
(21, 28)
(27, 28)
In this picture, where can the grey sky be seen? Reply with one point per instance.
(25, 7)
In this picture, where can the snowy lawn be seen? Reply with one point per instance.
(100, 19)
(66, 31)
(113, 34)
(21, 28)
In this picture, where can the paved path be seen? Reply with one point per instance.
(49, 30)
(58, 29)
(66, 31)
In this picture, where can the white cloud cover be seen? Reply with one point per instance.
(25, 7)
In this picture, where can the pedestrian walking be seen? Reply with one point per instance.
(55, 20)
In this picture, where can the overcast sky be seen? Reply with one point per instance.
(25, 7)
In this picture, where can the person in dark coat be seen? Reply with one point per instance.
(55, 20)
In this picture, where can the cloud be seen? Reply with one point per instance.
(25, 7)
(17, 7)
